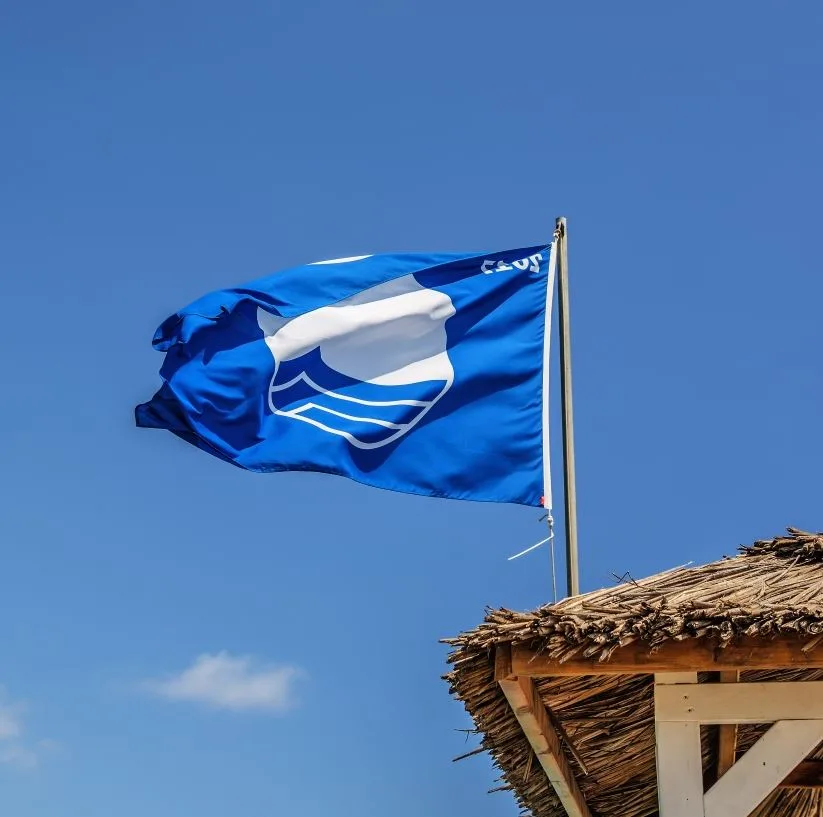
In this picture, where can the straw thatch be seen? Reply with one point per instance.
(773, 587)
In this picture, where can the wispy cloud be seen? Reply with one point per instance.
(19, 757)
(14, 751)
(237, 683)
(10, 721)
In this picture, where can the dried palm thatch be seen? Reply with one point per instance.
(773, 587)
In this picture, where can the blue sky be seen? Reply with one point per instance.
(183, 639)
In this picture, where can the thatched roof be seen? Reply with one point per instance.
(773, 587)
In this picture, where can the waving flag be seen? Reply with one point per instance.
(419, 373)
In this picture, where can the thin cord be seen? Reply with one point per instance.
(550, 539)
(528, 550)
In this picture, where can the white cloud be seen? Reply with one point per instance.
(13, 749)
(20, 757)
(223, 681)
(10, 721)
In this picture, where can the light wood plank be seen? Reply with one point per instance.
(740, 703)
(678, 757)
(530, 712)
(693, 654)
(759, 772)
(675, 678)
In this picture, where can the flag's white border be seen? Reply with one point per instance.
(547, 336)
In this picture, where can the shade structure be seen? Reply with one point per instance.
(591, 663)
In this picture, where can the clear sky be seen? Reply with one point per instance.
(183, 639)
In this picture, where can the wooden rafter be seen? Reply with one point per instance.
(689, 655)
(535, 722)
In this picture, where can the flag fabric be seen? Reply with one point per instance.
(419, 373)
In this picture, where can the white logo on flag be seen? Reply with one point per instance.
(389, 345)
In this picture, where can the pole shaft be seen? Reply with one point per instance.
(570, 491)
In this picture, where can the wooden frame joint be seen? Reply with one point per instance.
(682, 705)
(503, 662)
(536, 723)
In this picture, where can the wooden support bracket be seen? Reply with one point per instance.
(535, 722)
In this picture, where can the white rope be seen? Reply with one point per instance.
(550, 540)
(530, 549)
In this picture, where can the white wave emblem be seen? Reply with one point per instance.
(367, 368)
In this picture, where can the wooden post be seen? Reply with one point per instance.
(569, 492)
(727, 733)
(679, 762)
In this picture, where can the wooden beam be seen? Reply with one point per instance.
(759, 772)
(534, 720)
(503, 662)
(689, 655)
(740, 703)
(727, 733)
(679, 758)
(807, 775)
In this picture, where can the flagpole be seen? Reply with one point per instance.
(569, 492)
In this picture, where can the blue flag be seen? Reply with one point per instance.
(420, 373)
